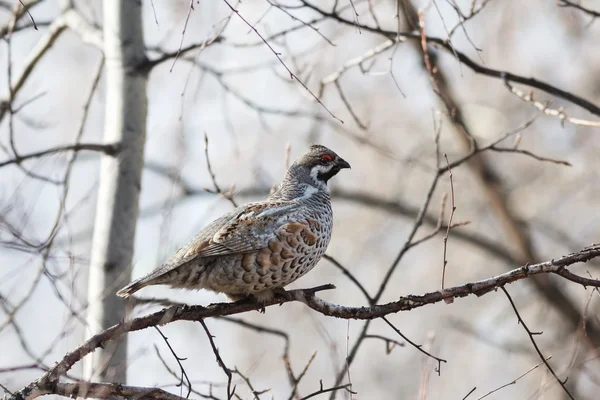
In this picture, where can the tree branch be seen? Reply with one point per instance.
(48, 383)
(533, 342)
(464, 59)
(577, 6)
(110, 149)
(106, 391)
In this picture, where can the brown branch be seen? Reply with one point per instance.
(465, 60)
(532, 155)
(19, 10)
(179, 360)
(50, 379)
(220, 361)
(147, 65)
(106, 391)
(218, 190)
(255, 393)
(389, 343)
(187, 20)
(306, 24)
(452, 210)
(462, 18)
(69, 19)
(347, 273)
(418, 347)
(278, 55)
(533, 342)
(332, 389)
(514, 381)
(468, 394)
(110, 149)
(296, 380)
(577, 6)
(493, 189)
(28, 13)
(544, 107)
(346, 102)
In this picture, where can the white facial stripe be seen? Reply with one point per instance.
(314, 172)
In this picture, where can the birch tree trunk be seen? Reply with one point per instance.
(118, 194)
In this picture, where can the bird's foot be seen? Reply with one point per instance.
(248, 298)
(281, 292)
(262, 298)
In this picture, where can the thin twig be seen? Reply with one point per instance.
(465, 60)
(218, 190)
(452, 210)
(179, 360)
(28, 13)
(389, 343)
(468, 394)
(417, 346)
(572, 4)
(110, 149)
(332, 389)
(302, 374)
(226, 370)
(278, 55)
(537, 349)
(187, 19)
(514, 381)
(347, 273)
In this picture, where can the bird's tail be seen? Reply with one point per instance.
(132, 288)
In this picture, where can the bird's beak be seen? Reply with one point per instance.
(343, 164)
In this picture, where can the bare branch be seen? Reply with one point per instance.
(307, 296)
(179, 360)
(332, 389)
(292, 75)
(452, 210)
(577, 6)
(464, 59)
(109, 149)
(514, 381)
(416, 346)
(227, 371)
(544, 107)
(218, 190)
(533, 342)
(106, 391)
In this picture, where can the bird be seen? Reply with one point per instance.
(259, 248)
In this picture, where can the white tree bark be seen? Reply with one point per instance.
(118, 194)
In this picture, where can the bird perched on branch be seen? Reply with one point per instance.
(259, 248)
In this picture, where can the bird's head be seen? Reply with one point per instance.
(317, 166)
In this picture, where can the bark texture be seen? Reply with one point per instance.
(118, 194)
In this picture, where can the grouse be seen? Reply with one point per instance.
(260, 247)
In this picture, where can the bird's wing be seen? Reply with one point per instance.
(247, 228)
(183, 255)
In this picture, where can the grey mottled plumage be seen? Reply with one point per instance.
(262, 246)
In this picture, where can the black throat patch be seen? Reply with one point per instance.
(325, 176)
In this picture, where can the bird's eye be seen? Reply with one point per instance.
(326, 158)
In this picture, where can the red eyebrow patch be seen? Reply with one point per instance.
(326, 157)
